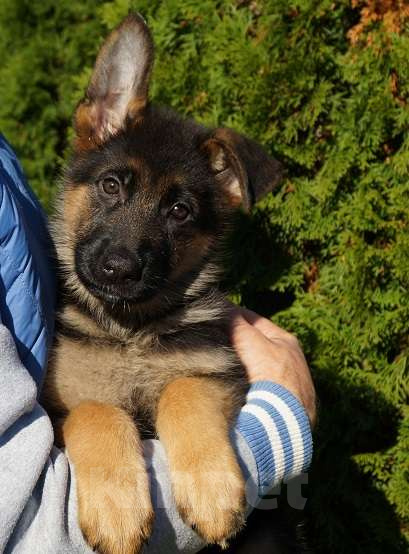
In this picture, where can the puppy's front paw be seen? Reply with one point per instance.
(210, 498)
(193, 424)
(114, 504)
(115, 511)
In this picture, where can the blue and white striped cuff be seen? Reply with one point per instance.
(276, 427)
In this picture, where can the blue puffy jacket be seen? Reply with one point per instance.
(27, 288)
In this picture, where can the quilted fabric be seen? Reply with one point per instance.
(27, 287)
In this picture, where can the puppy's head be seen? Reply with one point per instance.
(148, 196)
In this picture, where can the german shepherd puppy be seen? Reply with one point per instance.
(146, 203)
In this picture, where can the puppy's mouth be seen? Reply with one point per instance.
(115, 293)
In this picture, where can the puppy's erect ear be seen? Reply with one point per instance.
(242, 167)
(118, 89)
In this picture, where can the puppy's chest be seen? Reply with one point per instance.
(91, 370)
(131, 374)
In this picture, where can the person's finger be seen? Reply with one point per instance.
(242, 331)
(265, 326)
(247, 340)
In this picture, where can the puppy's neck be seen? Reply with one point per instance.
(199, 301)
(76, 320)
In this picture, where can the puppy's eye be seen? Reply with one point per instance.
(110, 185)
(179, 211)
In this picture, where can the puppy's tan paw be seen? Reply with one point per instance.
(114, 504)
(209, 489)
(115, 513)
(211, 500)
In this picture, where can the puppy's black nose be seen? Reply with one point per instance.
(121, 265)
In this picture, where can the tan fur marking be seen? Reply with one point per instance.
(114, 502)
(85, 138)
(207, 483)
(228, 170)
(76, 207)
(136, 164)
(135, 109)
(70, 315)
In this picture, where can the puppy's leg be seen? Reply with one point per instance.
(192, 423)
(115, 509)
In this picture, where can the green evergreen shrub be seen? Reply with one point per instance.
(327, 256)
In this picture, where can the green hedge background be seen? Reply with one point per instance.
(328, 255)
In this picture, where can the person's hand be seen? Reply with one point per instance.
(270, 353)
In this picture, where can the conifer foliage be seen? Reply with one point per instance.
(324, 85)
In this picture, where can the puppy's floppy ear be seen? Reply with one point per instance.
(118, 89)
(242, 167)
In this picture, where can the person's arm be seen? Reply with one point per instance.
(38, 501)
(35, 478)
(269, 353)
